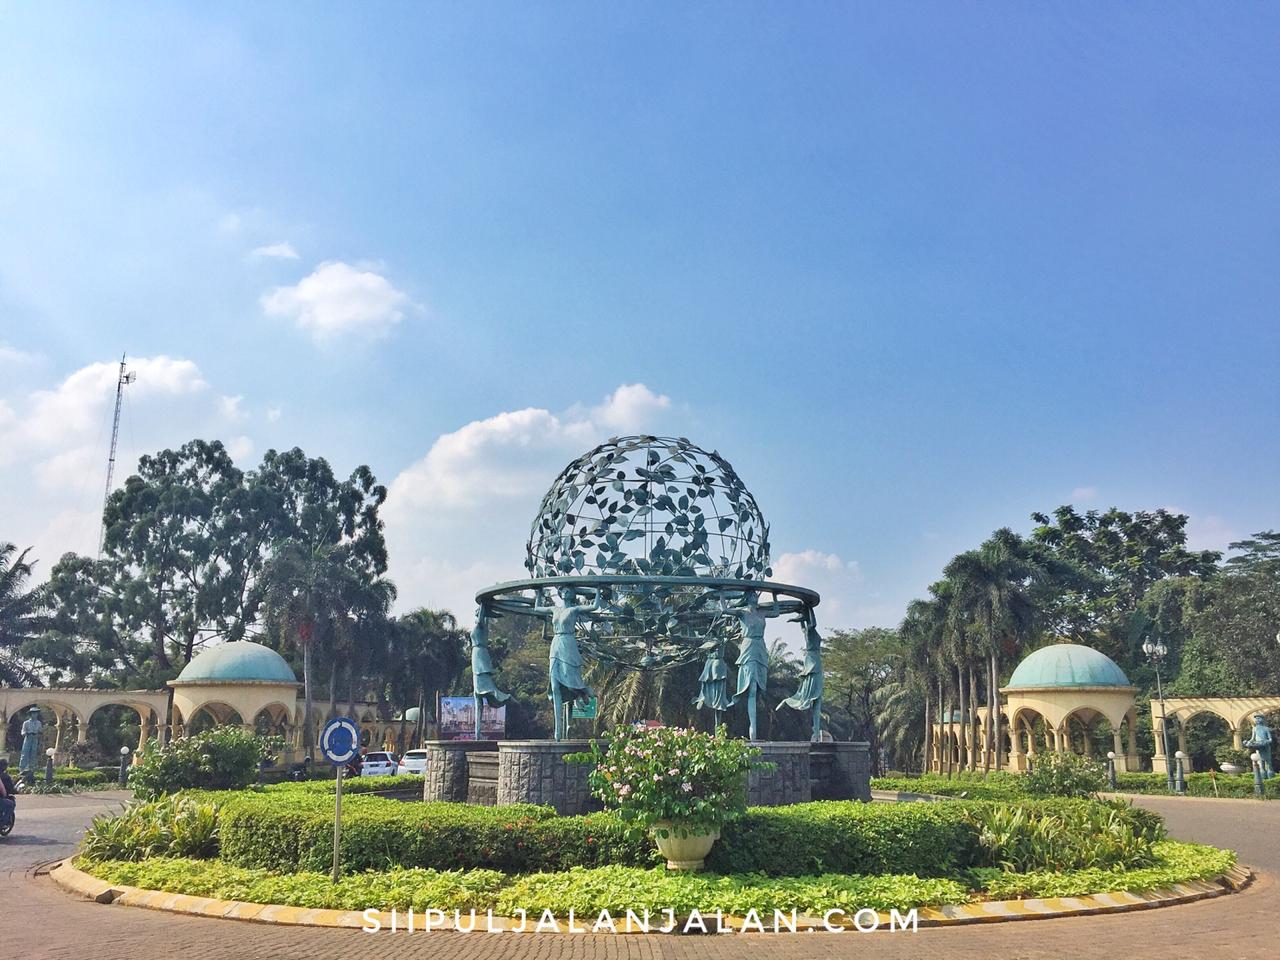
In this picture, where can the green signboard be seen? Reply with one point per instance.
(583, 709)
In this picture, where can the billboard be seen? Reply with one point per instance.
(458, 720)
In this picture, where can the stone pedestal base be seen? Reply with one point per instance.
(446, 774)
(535, 771)
(787, 783)
(482, 778)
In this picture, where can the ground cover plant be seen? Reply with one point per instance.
(617, 888)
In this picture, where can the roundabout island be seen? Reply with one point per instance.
(654, 831)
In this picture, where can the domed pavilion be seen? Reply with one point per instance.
(1069, 688)
(1054, 702)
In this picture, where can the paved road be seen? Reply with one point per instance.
(1238, 927)
(49, 828)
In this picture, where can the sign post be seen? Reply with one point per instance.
(339, 742)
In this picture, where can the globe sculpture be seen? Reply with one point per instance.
(649, 552)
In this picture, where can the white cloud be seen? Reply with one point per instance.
(1210, 532)
(240, 448)
(630, 408)
(54, 418)
(12, 356)
(54, 442)
(1083, 495)
(337, 299)
(836, 580)
(472, 496)
(273, 414)
(229, 407)
(278, 251)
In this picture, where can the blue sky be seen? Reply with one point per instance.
(915, 269)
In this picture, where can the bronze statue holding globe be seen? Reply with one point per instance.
(653, 554)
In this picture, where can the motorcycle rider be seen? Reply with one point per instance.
(7, 790)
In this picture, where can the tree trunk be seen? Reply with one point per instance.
(973, 717)
(928, 732)
(308, 728)
(333, 690)
(962, 753)
(993, 702)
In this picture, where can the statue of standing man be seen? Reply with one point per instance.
(31, 729)
(1261, 742)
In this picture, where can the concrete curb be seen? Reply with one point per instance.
(81, 884)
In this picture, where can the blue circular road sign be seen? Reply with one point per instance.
(340, 740)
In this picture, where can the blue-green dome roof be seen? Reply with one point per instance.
(1067, 665)
(237, 661)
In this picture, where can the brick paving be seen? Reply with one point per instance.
(39, 921)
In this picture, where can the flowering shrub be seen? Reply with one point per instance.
(1065, 775)
(695, 781)
(225, 758)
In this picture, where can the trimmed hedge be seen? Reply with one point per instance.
(258, 829)
(926, 839)
(75, 777)
(1198, 784)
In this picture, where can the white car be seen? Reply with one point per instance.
(378, 765)
(414, 761)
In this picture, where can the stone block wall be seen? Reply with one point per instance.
(446, 776)
(482, 778)
(535, 771)
(787, 783)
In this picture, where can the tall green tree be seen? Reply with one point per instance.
(859, 663)
(309, 589)
(993, 593)
(22, 617)
(1115, 558)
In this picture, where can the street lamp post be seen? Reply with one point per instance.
(1255, 758)
(124, 766)
(1156, 652)
(48, 765)
(1182, 778)
(1111, 770)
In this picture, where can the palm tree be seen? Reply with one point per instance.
(307, 590)
(428, 658)
(992, 591)
(22, 616)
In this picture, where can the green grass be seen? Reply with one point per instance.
(617, 888)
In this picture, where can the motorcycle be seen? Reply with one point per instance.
(7, 818)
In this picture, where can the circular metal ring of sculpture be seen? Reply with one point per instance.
(651, 622)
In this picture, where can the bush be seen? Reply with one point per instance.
(224, 758)
(1199, 785)
(1023, 838)
(392, 784)
(75, 777)
(848, 837)
(174, 826)
(693, 780)
(1231, 755)
(1065, 775)
(1000, 785)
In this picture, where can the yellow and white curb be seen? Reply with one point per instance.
(83, 885)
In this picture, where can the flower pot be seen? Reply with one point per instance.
(1229, 768)
(683, 853)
